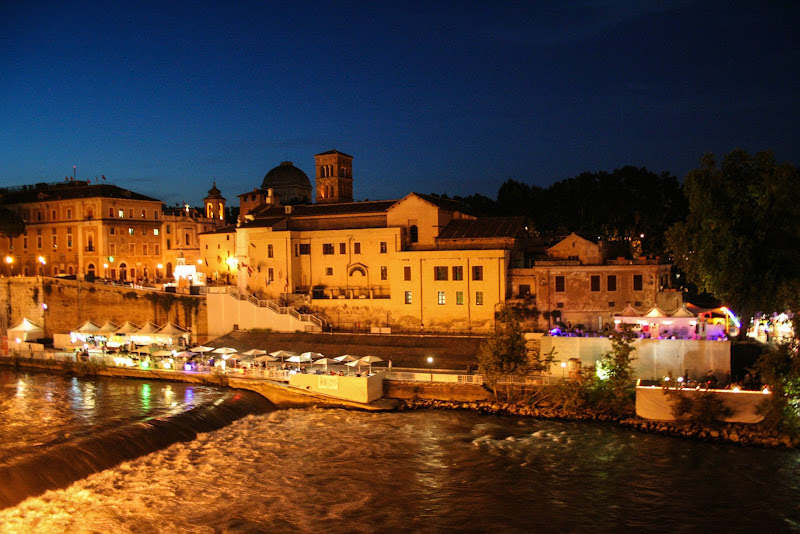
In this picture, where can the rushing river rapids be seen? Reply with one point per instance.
(322, 470)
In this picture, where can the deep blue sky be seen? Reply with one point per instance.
(164, 97)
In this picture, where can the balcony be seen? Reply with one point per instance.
(90, 248)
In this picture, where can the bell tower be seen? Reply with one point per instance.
(334, 177)
(214, 205)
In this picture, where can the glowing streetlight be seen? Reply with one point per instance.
(41, 260)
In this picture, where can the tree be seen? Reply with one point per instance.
(739, 239)
(11, 224)
(504, 351)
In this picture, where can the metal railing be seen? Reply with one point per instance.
(270, 304)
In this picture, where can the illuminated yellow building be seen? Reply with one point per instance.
(418, 263)
(87, 230)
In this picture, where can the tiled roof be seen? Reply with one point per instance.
(484, 228)
(263, 222)
(333, 152)
(230, 229)
(320, 210)
(444, 203)
(67, 191)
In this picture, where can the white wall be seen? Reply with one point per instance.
(355, 388)
(654, 358)
(224, 312)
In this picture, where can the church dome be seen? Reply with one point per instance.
(286, 176)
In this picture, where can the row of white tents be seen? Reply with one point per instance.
(113, 335)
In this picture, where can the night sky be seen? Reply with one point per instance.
(165, 97)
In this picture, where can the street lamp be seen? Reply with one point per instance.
(9, 264)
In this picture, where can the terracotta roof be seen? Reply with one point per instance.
(67, 191)
(333, 152)
(230, 229)
(484, 228)
(444, 203)
(320, 210)
(265, 222)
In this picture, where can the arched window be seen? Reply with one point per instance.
(169, 270)
(123, 271)
(210, 210)
(359, 270)
(90, 270)
(70, 270)
(413, 233)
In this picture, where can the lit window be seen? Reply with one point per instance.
(459, 298)
(441, 297)
(479, 298)
(155, 231)
(130, 231)
(408, 297)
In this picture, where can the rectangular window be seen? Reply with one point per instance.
(408, 297)
(384, 273)
(121, 213)
(269, 251)
(112, 249)
(440, 273)
(327, 248)
(612, 304)
(155, 231)
(384, 247)
(611, 282)
(524, 290)
(407, 273)
(595, 282)
(188, 238)
(143, 215)
(130, 213)
(25, 242)
(112, 231)
(342, 248)
(111, 212)
(270, 275)
(39, 238)
(54, 215)
(169, 244)
(305, 249)
(441, 298)
(130, 231)
(132, 249)
(328, 271)
(459, 298)
(356, 248)
(458, 272)
(479, 298)
(69, 237)
(477, 272)
(169, 229)
(157, 250)
(55, 241)
(144, 249)
(637, 282)
(69, 214)
(155, 215)
(559, 284)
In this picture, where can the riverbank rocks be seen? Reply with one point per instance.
(737, 433)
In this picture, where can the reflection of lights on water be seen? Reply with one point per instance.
(188, 395)
(146, 397)
(22, 387)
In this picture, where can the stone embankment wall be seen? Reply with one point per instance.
(72, 302)
(413, 391)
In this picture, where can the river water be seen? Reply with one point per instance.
(331, 470)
